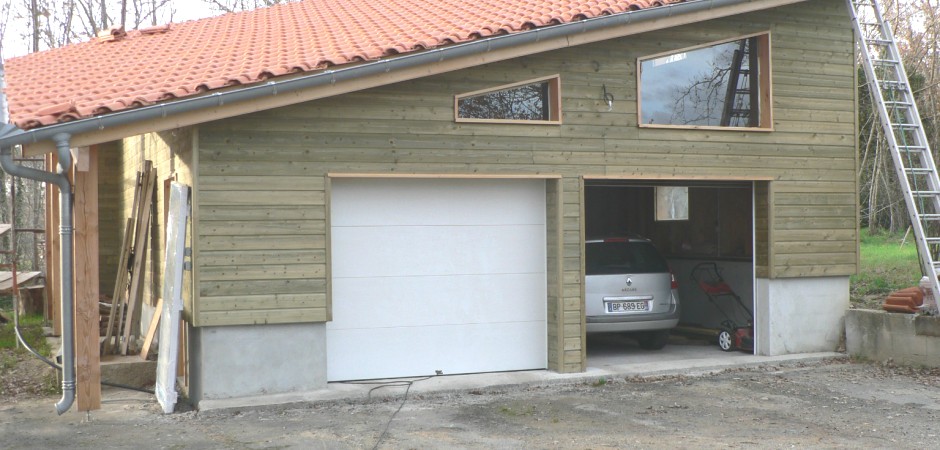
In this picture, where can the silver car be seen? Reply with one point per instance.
(629, 288)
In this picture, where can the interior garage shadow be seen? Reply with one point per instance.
(706, 233)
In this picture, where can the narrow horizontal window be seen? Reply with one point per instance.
(533, 101)
(723, 85)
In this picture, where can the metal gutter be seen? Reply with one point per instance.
(329, 77)
(65, 253)
(60, 179)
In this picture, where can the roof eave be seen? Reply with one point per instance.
(230, 103)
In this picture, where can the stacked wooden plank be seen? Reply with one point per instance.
(104, 315)
(123, 329)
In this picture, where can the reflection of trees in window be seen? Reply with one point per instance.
(721, 94)
(712, 86)
(700, 101)
(529, 102)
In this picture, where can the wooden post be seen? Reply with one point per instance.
(87, 354)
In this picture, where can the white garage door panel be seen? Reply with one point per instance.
(452, 349)
(444, 250)
(455, 300)
(437, 274)
(365, 202)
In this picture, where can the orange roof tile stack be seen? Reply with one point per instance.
(118, 70)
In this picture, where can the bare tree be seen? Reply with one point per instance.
(227, 6)
(54, 23)
(34, 24)
(4, 20)
(916, 25)
(140, 13)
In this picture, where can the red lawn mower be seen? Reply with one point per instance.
(731, 336)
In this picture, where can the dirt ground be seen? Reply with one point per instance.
(22, 376)
(833, 404)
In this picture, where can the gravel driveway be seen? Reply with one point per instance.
(827, 404)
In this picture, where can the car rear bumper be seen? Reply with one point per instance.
(645, 322)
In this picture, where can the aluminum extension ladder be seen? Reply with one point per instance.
(913, 161)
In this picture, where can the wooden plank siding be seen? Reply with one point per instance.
(261, 196)
(110, 213)
(555, 285)
(763, 198)
(172, 155)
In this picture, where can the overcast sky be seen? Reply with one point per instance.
(191, 9)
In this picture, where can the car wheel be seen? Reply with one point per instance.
(653, 340)
(725, 340)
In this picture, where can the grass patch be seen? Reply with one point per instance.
(22, 375)
(886, 266)
(517, 412)
(31, 328)
(7, 361)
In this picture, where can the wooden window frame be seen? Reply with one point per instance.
(554, 102)
(766, 88)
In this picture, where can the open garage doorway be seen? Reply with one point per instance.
(705, 232)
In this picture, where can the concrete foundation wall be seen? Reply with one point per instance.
(799, 315)
(904, 338)
(250, 360)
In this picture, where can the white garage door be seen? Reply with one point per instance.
(436, 274)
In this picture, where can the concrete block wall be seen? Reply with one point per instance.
(254, 360)
(904, 338)
(799, 315)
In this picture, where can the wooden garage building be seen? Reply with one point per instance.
(397, 188)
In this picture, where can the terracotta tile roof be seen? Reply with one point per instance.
(118, 70)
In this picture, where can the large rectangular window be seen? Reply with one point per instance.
(532, 101)
(721, 85)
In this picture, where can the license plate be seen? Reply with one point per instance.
(619, 307)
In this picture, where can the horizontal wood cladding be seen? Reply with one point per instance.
(262, 316)
(171, 153)
(262, 226)
(110, 214)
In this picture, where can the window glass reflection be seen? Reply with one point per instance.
(529, 102)
(711, 86)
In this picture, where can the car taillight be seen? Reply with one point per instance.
(675, 283)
